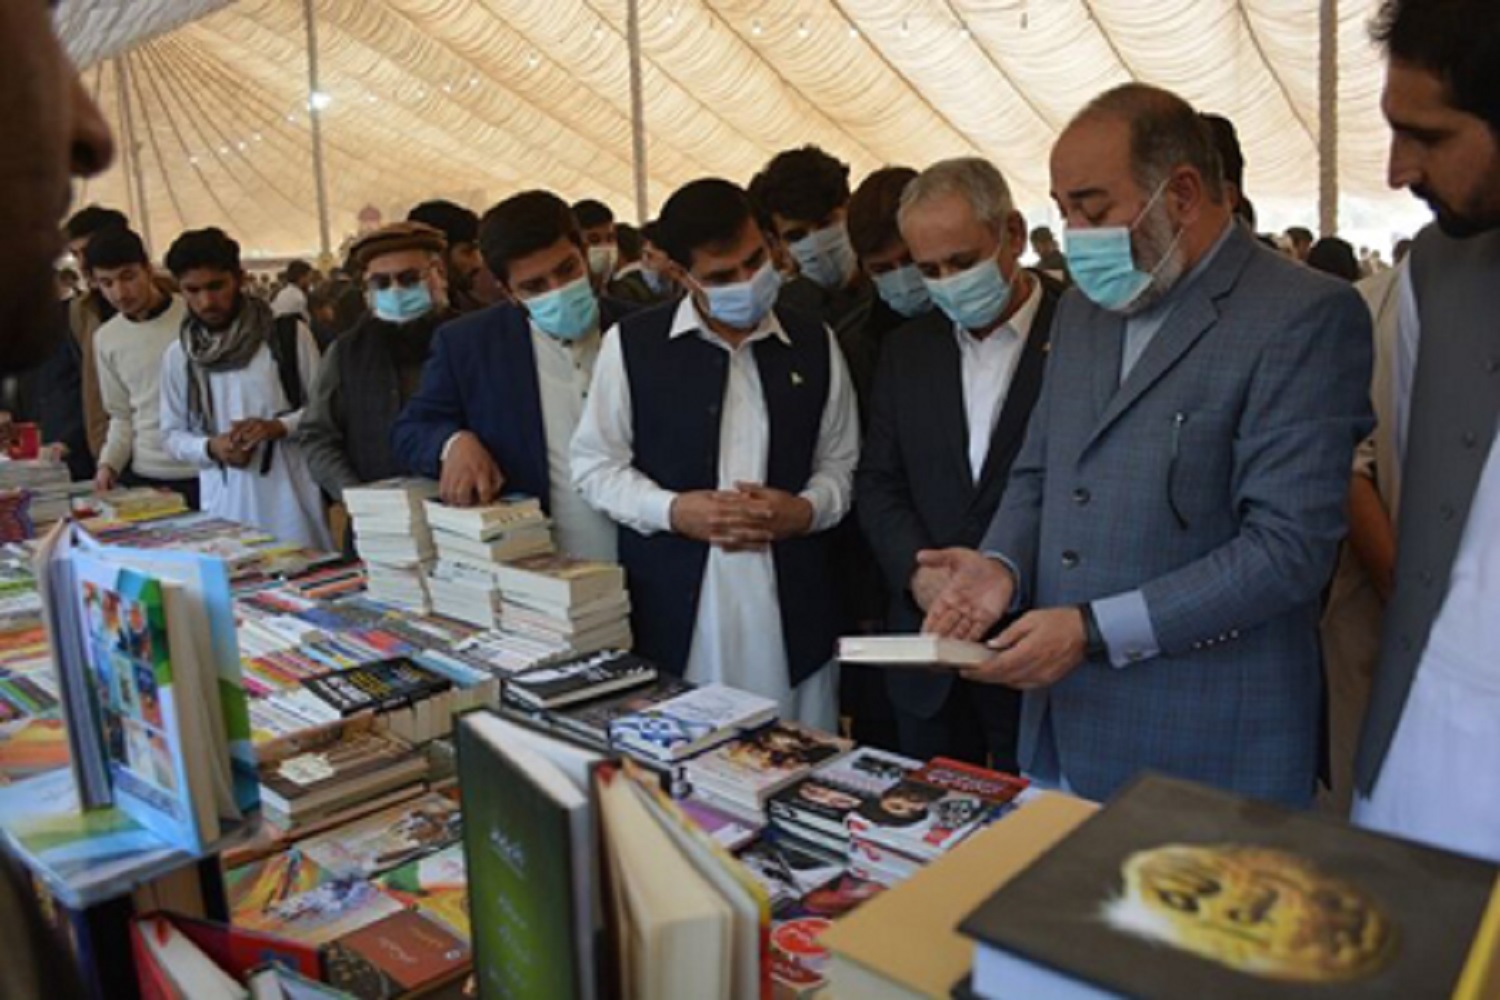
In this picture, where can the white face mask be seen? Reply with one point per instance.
(602, 260)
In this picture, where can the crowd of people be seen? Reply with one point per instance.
(1217, 510)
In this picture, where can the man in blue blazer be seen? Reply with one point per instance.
(1176, 508)
(504, 387)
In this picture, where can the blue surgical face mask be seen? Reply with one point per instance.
(826, 257)
(904, 290)
(1101, 262)
(402, 305)
(744, 304)
(973, 298)
(566, 313)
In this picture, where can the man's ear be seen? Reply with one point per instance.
(1187, 193)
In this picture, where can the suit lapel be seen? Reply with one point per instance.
(1190, 319)
(945, 391)
(1025, 387)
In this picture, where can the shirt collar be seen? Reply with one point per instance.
(591, 337)
(687, 320)
(1020, 322)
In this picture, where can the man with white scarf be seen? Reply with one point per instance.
(232, 393)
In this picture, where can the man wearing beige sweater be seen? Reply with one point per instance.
(127, 352)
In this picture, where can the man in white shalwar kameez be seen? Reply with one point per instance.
(721, 435)
(232, 389)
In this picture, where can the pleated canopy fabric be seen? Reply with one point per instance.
(475, 99)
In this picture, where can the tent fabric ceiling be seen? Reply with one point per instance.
(475, 99)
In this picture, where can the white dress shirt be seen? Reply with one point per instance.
(737, 638)
(1434, 785)
(564, 371)
(988, 367)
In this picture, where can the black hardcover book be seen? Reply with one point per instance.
(1177, 891)
(581, 679)
(378, 687)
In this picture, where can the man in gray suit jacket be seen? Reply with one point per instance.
(1178, 503)
(1426, 765)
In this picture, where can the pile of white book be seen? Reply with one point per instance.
(472, 543)
(559, 599)
(392, 537)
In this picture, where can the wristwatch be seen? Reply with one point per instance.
(1094, 648)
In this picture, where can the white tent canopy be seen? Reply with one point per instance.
(475, 99)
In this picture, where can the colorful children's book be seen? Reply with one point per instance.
(338, 907)
(438, 885)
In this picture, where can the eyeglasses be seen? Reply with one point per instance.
(410, 278)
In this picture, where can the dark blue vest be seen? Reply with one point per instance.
(677, 390)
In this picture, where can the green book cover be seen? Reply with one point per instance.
(518, 853)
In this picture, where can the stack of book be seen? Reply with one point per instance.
(392, 537)
(816, 809)
(741, 775)
(690, 723)
(47, 482)
(471, 544)
(558, 599)
(584, 678)
(139, 504)
(313, 775)
(923, 816)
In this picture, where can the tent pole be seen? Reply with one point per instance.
(1328, 124)
(315, 116)
(132, 148)
(637, 110)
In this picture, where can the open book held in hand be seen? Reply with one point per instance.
(906, 651)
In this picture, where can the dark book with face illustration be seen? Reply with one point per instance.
(1179, 891)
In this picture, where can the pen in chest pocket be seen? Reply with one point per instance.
(1178, 420)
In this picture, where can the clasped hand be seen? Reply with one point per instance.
(745, 519)
(1038, 649)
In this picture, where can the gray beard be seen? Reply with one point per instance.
(1158, 254)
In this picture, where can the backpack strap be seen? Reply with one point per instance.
(284, 352)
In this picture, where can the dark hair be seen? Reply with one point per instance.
(804, 184)
(872, 209)
(874, 810)
(1165, 133)
(94, 219)
(456, 223)
(651, 232)
(297, 270)
(1042, 233)
(111, 248)
(1227, 142)
(1334, 256)
(1456, 40)
(591, 212)
(628, 239)
(1299, 234)
(523, 224)
(204, 248)
(703, 213)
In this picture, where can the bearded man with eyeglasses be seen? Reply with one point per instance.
(371, 371)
